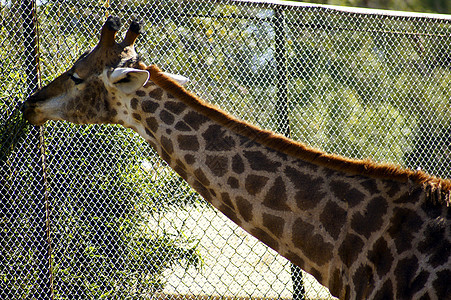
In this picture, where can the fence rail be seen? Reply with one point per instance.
(90, 212)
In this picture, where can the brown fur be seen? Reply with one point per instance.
(438, 189)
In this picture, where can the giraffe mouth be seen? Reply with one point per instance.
(31, 115)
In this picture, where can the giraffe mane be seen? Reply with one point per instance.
(437, 189)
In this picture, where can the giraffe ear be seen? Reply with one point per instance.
(128, 80)
(182, 80)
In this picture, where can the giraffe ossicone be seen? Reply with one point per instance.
(364, 230)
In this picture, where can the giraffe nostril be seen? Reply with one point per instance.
(25, 106)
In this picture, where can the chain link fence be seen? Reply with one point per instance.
(90, 212)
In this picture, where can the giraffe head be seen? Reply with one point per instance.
(87, 92)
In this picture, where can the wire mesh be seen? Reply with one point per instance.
(90, 212)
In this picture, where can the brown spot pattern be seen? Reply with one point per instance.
(247, 142)
(152, 123)
(305, 238)
(254, 183)
(244, 208)
(386, 292)
(410, 197)
(165, 156)
(316, 274)
(218, 165)
(134, 103)
(332, 218)
(237, 164)
(200, 175)
(180, 164)
(441, 284)
(233, 182)
(432, 209)
(149, 133)
(345, 193)
(308, 193)
(166, 143)
(140, 93)
(166, 117)
(274, 224)
(149, 106)
(350, 249)
(156, 93)
(230, 213)
(435, 244)
(371, 219)
(265, 238)
(225, 197)
(175, 107)
(136, 116)
(392, 187)
(181, 126)
(216, 140)
(276, 198)
(181, 171)
(194, 119)
(203, 191)
(381, 256)
(403, 223)
(405, 280)
(188, 142)
(294, 258)
(371, 186)
(260, 162)
(363, 279)
(335, 283)
(190, 159)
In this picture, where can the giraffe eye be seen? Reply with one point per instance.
(75, 78)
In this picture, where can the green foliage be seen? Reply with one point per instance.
(372, 94)
(17, 258)
(108, 248)
(12, 131)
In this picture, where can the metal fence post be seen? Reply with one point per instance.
(281, 111)
(30, 41)
(40, 242)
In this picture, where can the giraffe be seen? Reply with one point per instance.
(365, 230)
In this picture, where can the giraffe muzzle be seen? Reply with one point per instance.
(29, 111)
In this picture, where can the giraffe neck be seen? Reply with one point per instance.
(251, 184)
(334, 225)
